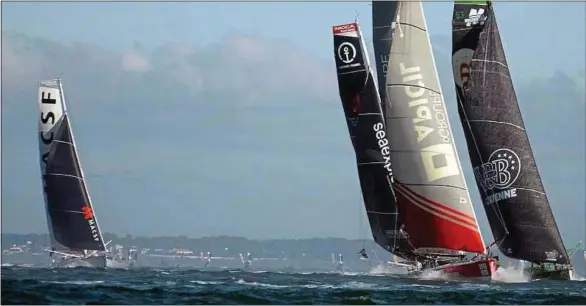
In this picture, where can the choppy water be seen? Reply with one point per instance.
(174, 286)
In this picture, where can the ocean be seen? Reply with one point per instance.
(190, 286)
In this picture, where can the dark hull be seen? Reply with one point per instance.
(538, 273)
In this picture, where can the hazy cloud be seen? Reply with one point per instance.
(133, 61)
(247, 130)
(247, 69)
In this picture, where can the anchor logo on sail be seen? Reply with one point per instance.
(500, 172)
(346, 52)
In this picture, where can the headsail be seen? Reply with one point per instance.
(506, 174)
(70, 215)
(432, 196)
(366, 126)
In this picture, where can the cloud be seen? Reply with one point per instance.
(133, 61)
(254, 70)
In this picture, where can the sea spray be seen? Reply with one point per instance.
(510, 275)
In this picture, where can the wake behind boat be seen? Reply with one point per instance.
(506, 173)
(432, 196)
(73, 227)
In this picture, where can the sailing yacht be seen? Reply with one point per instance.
(76, 239)
(366, 126)
(431, 193)
(506, 173)
(246, 261)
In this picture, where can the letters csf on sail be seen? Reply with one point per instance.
(366, 126)
(72, 223)
(506, 174)
(432, 196)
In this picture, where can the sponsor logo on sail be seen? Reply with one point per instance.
(475, 17)
(346, 52)
(383, 144)
(88, 215)
(461, 67)
(552, 255)
(500, 172)
(439, 159)
(350, 27)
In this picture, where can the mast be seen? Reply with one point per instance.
(506, 174)
(71, 220)
(432, 195)
(366, 127)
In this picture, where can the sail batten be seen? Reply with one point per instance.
(432, 196)
(504, 166)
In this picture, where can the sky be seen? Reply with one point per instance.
(203, 119)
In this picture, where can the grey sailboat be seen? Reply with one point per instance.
(510, 186)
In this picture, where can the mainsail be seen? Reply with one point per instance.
(366, 126)
(432, 196)
(72, 222)
(506, 174)
(383, 13)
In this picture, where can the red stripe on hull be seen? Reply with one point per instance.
(433, 230)
(484, 268)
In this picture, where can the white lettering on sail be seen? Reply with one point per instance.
(94, 230)
(439, 159)
(383, 144)
(500, 172)
(384, 59)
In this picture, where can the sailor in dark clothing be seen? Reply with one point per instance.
(363, 253)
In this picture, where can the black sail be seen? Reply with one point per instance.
(366, 127)
(383, 15)
(506, 174)
(70, 214)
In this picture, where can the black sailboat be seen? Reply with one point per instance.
(506, 174)
(73, 227)
(366, 126)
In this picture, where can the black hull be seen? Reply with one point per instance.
(539, 274)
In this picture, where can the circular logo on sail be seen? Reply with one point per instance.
(461, 65)
(346, 52)
(505, 168)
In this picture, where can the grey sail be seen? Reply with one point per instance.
(71, 219)
(506, 174)
(432, 196)
(365, 121)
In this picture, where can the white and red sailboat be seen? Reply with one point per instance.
(431, 194)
